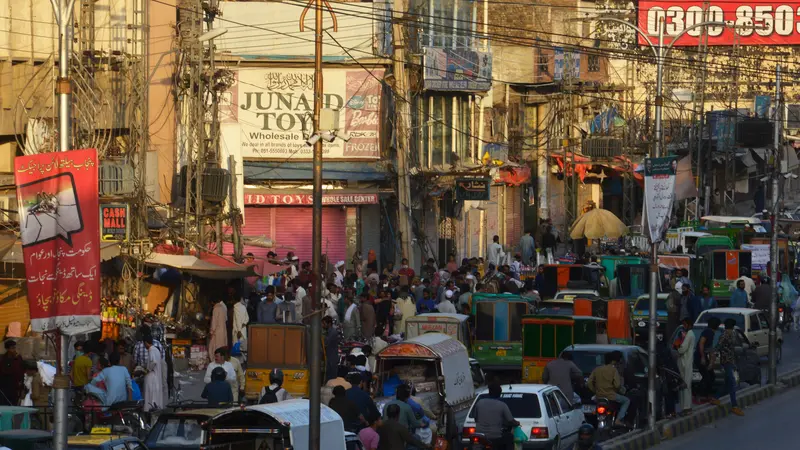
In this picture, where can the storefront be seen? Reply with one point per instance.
(286, 218)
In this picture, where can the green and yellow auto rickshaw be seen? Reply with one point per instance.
(498, 330)
(544, 337)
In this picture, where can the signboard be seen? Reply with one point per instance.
(58, 210)
(457, 69)
(759, 22)
(114, 222)
(761, 105)
(273, 109)
(759, 254)
(308, 200)
(472, 189)
(659, 192)
(560, 61)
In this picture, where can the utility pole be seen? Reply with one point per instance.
(653, 322)
(234, 212)
(776, 173)
(403, 119)
(63, 10)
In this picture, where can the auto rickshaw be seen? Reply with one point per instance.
(277, 346)
(544, 337)
(618, 322)
(562, 276)
(720, 268)
(455, 325)
(498, 332)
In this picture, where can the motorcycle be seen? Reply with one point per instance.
(478, 441)
(124, 415)
(785, 319)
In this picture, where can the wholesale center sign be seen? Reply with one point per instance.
(273, 109)
(757, 22)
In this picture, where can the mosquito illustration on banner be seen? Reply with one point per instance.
(49, 210)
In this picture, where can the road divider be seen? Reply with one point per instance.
(702, 416)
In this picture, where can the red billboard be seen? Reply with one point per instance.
(59, 228)
(757, 22)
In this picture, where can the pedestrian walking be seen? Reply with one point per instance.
(219, 328)
(527, 248)
(268, 309)
(727, 357)
(446, 306)
(367, 310)
(351, 324)
(704, 359)
(331, 348)
(706, 300)
(739, 297)
(12, 374)
(686, 350)
(154, 398)
(393, 435)
(563, 372)
(495, 253)
(673, 313)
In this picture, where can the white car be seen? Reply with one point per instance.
(752, 322)
(545, 414)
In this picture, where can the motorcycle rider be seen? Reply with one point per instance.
(606, 382)
(275, 392)
(493, 419)
(585, 438)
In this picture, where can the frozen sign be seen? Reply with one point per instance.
(274, 107)
(659, 189)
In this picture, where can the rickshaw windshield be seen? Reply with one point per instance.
(499, 321)
(176, 432)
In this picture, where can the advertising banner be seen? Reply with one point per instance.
(308, 199)
(457, 69)
(472, 188)
(759, 22)
(760, 256)
(114, 222)
(274, 108)
(58, 210)
(560, 61)
(659, 192)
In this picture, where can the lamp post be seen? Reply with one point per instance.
(660, 53)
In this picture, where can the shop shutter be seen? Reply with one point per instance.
(371, 230)
(258, 224)
(13, 306)
(293, 229)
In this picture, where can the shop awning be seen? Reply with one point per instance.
(13, 253)
(208, 265)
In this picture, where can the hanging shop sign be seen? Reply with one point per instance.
(114, 222)
(563, 58)
(457, 69)
(472, 188)
(756, 22)
(273, 109)
(659, 190)
(59, 225)
(308, 199)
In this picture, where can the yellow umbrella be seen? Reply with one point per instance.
(596, 223)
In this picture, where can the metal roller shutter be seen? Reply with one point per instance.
(371, 230)
(293, 229)
(258, 223)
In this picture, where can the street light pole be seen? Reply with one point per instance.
(63, 11)
(660, 52)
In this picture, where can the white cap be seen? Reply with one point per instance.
(448, 293)
(339, 264)
(295, 258)
(470, 276)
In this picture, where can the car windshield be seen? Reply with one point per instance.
(643, 304)
(570, 296)
(706, 316)
(586, 360)
(176, 432)
(522, 406)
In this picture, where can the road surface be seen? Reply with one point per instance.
(769, 424)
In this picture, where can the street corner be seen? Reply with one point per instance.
(709, 413)
(633, 441)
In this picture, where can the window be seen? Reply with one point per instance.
(762, 321)
(562, 400)
(449, 23)
(541, 63)
(444, 129)
(522, 406)
(484, 321)
(593, 63)
(515, 313)
(754, 323)
(553, 404)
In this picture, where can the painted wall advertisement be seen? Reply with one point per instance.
(274, 108)
(457, 69)
(659, 192)
(58, 210)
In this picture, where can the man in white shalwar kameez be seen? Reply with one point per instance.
(686, 364)
(240, 319)
(153, 382)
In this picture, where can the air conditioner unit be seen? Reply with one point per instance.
(601, 147)
(116, 178)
